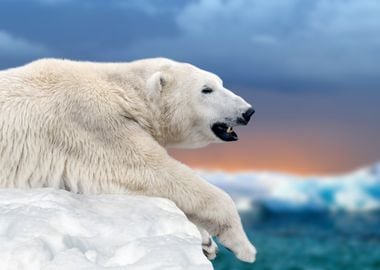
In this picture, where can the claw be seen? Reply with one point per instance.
(210, 249)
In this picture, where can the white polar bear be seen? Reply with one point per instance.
(103, 128)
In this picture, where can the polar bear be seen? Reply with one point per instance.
(104, 128)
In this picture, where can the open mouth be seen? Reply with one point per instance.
(224, 132)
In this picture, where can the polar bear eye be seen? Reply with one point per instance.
(207, 90)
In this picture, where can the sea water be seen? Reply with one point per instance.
(309, 240)
(306, 223)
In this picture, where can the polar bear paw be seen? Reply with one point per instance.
(236, 241)
(247, 255)
(210, 248)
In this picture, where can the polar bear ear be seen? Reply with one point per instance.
(156, 83)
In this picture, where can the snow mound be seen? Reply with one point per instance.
(55, 229)
(353, 192)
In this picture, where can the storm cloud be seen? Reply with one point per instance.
(279, 45)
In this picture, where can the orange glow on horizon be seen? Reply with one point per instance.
(302, 154)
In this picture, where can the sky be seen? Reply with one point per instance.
(311, 69)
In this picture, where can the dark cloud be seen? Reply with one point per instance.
(87, 29)
(284, 45)
(291, 45)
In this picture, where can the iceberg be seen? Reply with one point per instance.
(55, 229)
(353, 192)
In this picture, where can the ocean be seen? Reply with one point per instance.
(306, 223)
(309, 241)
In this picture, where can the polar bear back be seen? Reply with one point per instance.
(58, 116)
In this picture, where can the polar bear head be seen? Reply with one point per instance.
(193, 106)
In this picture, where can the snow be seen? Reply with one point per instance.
(352, 192)
(54, 229)
(57, 230)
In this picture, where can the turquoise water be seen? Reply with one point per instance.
(310, 241)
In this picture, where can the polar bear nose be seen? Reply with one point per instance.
(247, 115)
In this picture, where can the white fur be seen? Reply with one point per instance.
(103, 128)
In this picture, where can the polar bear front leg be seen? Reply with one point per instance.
(222, 220)
(204, 204)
